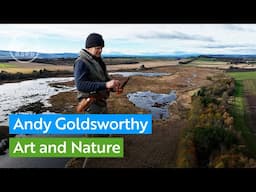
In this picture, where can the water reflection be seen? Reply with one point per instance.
(15, 95)
(157, 104)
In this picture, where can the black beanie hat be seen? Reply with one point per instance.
(94, 40)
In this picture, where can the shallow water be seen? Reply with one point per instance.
(15, 95)
(156, 104)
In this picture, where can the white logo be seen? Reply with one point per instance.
(22, 42)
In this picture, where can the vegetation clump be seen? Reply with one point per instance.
(210, 137)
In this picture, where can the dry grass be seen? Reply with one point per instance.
(25, 68)
(147, 64)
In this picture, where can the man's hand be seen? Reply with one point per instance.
(114, 84)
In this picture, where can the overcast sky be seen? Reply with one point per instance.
(160, 39)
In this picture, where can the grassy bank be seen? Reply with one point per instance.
(209, 132)
(239, 110)
(243, 75)
(240, 119)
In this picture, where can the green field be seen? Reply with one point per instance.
(203, 61)
(6, 65)
(245, 81)
(250, 85)
(243, 75)
(206, 59)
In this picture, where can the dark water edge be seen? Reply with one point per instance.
(36, 108)
(4, 139)
(8, 162)
(4, 132)
(6, 77)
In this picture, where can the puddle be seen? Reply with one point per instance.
(155, 103)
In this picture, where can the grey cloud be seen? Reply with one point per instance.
(236, 27)
(225, 46)
(176, 35)
(246, 50)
